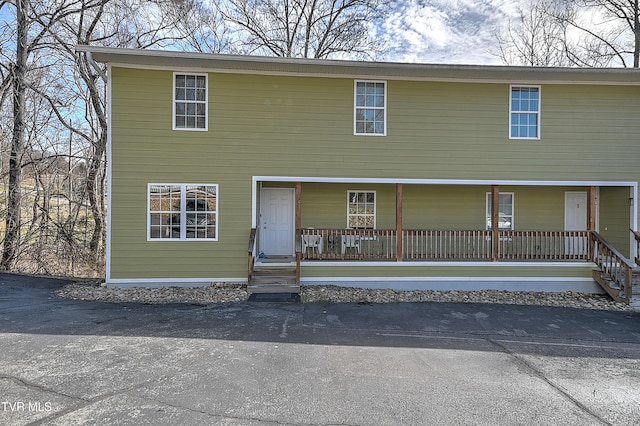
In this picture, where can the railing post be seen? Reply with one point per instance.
(495, 231)
(628, 284)
(399, 247)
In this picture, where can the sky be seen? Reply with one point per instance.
(446, 31)
(438, 31)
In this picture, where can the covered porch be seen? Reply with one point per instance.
(461, 222)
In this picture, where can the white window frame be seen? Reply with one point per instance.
(356, 107)
(375, 207)
(205, 102)
(488, 210)
(538, 112)
(183, 212)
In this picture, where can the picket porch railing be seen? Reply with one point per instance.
(382, 244)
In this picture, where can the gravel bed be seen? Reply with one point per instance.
(230, 293)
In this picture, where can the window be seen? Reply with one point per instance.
(524, 119)
(370, 106)
(190, 102)
(505, 211)
(182, 212)
(361, 209)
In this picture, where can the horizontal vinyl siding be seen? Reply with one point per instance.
(614, 217)
(445, 207)
(303, 126)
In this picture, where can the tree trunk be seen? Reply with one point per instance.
(13, 220)
(636, 30)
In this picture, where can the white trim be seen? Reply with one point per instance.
(206, 103)
(170, 282)
(457, 264)
(292, 193)
(356, 106)
(539, 112)
(183, 212)
(386, 77)
(633, 194)
(171, 60)
(107, 260)
(513, 208)
(546, 284)
(457, 278)
(348, 180)
(375, 206)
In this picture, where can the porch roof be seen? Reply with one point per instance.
(146, 58)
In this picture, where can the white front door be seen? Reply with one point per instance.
(575, 219)
(277, 219)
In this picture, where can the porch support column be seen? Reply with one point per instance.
(399, 249)
(495, 231)
(298, 203)
(591, 218)
(297, 241)
(591, 208)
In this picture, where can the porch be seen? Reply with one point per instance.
(317, 247)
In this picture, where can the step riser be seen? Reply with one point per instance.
(273, 288)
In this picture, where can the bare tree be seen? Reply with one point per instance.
(536, 39)
(304, 28)
(594, 33)
(602, 32)
(17, 71)
(56, 92)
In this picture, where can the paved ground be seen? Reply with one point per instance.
(72, 362)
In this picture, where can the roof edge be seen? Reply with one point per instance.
(340, 68)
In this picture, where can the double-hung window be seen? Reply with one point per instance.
(524, 116)
(189, 101)
(505, 211)
(370, 104)
(361, 209)
(182, 212)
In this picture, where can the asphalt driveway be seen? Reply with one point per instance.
(76, 362)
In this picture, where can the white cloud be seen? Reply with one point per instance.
(445, 31)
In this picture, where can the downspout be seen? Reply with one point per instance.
(95, 66)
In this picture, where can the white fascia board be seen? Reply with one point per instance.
(107, 261)
(424, 263)
(326, 280)
(484, 182)
(170, 282)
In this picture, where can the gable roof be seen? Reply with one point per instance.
(175, 60)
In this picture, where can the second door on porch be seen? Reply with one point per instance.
(575, 219)
(277, 221)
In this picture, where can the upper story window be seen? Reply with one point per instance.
(524, 117)
(182, 212)
(189, 101)
(505, 211)
(370, 108)
(361, 209)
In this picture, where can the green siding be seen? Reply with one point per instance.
(303, 126)
(614, 217)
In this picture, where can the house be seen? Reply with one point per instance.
(409, 176)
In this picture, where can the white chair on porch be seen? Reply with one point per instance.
(313, 242)
(350, 242)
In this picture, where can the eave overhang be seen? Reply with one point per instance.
(175, 60)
